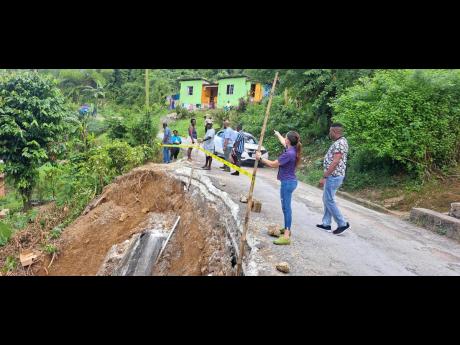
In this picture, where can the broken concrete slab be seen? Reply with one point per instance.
(141, 255)
(437, 222)
(455, 210)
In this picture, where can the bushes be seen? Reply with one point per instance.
(183, 113)
(283, 118)
(406, 116)
(137, 127)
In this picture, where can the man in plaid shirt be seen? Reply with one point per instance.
(238, 148)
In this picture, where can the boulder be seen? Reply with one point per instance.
(455, 210)
(283, 267)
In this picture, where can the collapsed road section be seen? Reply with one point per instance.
(127, 229)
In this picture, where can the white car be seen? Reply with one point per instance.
(250, 147)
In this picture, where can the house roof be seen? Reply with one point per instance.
(234, 76)
(190, 79)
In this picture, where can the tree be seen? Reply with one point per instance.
(95, 93)
(31, 121)
(409, 116)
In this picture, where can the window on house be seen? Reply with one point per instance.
(190, 90)
(230, 89)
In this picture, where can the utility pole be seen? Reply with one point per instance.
(147, 88)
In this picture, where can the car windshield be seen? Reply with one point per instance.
(249, 139)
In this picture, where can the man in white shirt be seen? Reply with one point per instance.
(229, 137)
(208, 145)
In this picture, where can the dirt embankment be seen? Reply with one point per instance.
(198, 247)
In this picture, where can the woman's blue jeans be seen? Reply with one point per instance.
(287, 188)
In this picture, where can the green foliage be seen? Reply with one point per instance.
(56, 232)
(405, 116)
(10, 264)
(97, 126)
(12, 201)
(32, 112)
(283, 118)
(5, 233)
(183, 113)
(47, 181)
(50, 249)
(123, 157)
(137, 127)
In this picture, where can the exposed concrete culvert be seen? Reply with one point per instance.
(149, 199)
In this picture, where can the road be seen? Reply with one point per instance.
(376, 243)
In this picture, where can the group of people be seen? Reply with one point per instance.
(334, 165)
(170, 153)
(233, 145)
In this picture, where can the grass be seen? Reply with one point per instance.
(11, 201)
(5, 233)
(10, 264)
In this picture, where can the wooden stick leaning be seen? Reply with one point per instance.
(253, 180)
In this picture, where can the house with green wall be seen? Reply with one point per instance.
(199, 93)
(191, 91)
(232, 88)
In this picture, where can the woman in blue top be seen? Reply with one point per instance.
(175, 140)
(287, 163)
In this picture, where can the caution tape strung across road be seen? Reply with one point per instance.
(217, 158)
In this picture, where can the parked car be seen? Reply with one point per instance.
(250, 147)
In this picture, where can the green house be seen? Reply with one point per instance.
(232, 88)
(191, 90)
(199, 93)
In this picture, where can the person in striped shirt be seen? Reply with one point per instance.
(238, 148)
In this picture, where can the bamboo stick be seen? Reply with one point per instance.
(253, 180)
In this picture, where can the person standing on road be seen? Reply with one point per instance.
(238, 148)
(208, 145)
(193, 135)
(166, 141)
(335, 165)
(176, 140)
(228, 143)
(287, 163)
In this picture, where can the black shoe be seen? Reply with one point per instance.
(341, 229)
(236, 173)
(324, 227)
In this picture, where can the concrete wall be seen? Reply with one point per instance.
(440, 223)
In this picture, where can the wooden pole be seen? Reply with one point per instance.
(253, 180)
(147, 88)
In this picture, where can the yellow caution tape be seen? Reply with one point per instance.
(217, 158)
